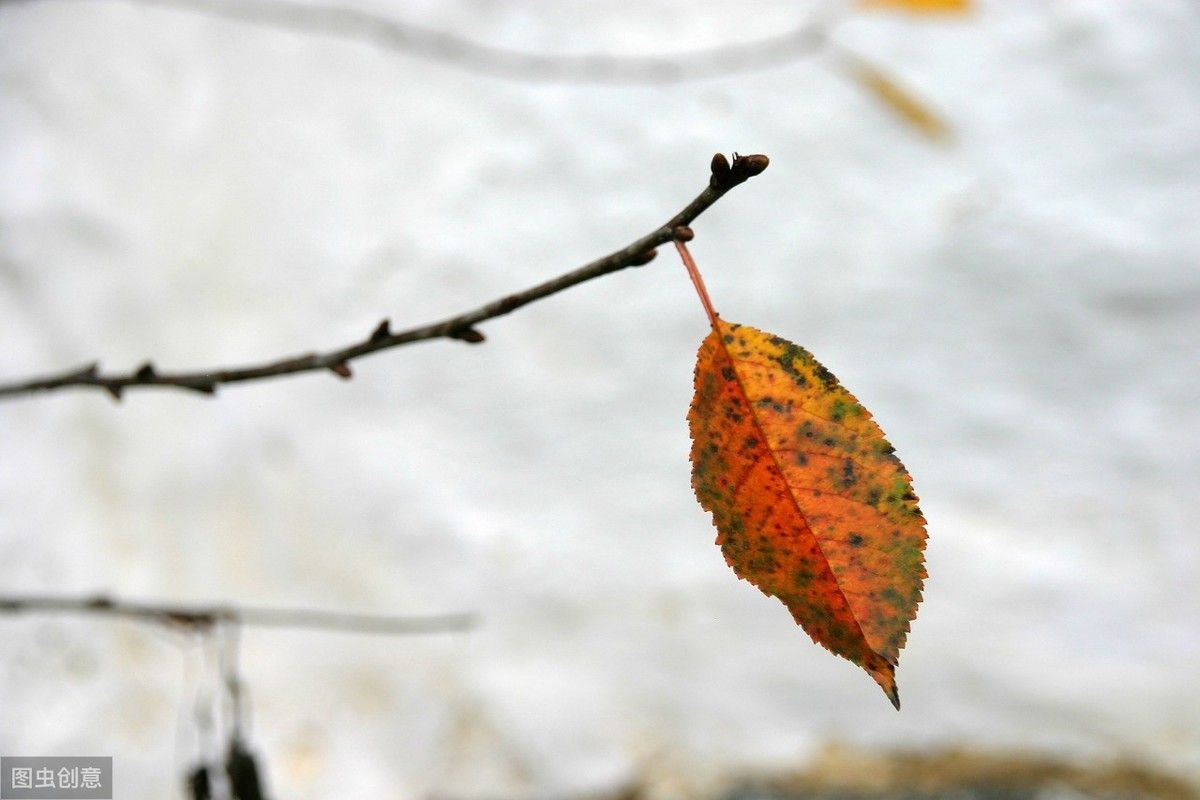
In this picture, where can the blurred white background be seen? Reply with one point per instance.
(1018, 307)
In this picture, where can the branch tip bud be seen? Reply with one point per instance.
(747, 167)
(755, 164)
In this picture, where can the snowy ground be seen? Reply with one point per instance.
(1020, 310)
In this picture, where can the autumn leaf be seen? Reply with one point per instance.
(900, 100)
(810, 502)
(919, 6)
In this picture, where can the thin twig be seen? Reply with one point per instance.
(393, 35)
(724, 177)
(205, 617)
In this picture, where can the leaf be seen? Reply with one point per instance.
(919, 6)
(900, 100)
(810, 502)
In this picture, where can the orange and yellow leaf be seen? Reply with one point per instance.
(900, 100)
(919, 6)
(810, 502)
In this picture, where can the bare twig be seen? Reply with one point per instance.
(205, 617)
(724, 177)
(402, 37)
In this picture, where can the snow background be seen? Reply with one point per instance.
(1020, 311)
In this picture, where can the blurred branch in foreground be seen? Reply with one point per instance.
(204, 617)
(235, 772)
(808, 38)
(724, 177)
(456, 51)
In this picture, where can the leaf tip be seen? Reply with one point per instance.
(885, 675)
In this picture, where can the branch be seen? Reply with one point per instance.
(203, 617)
(724, 177)
(393, 35)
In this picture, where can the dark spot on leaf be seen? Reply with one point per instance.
(763, 562)
(848, 476)
(856, 539)
(792, 353)
(894, 598)
(825, 375)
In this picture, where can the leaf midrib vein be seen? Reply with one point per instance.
(795, 503)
